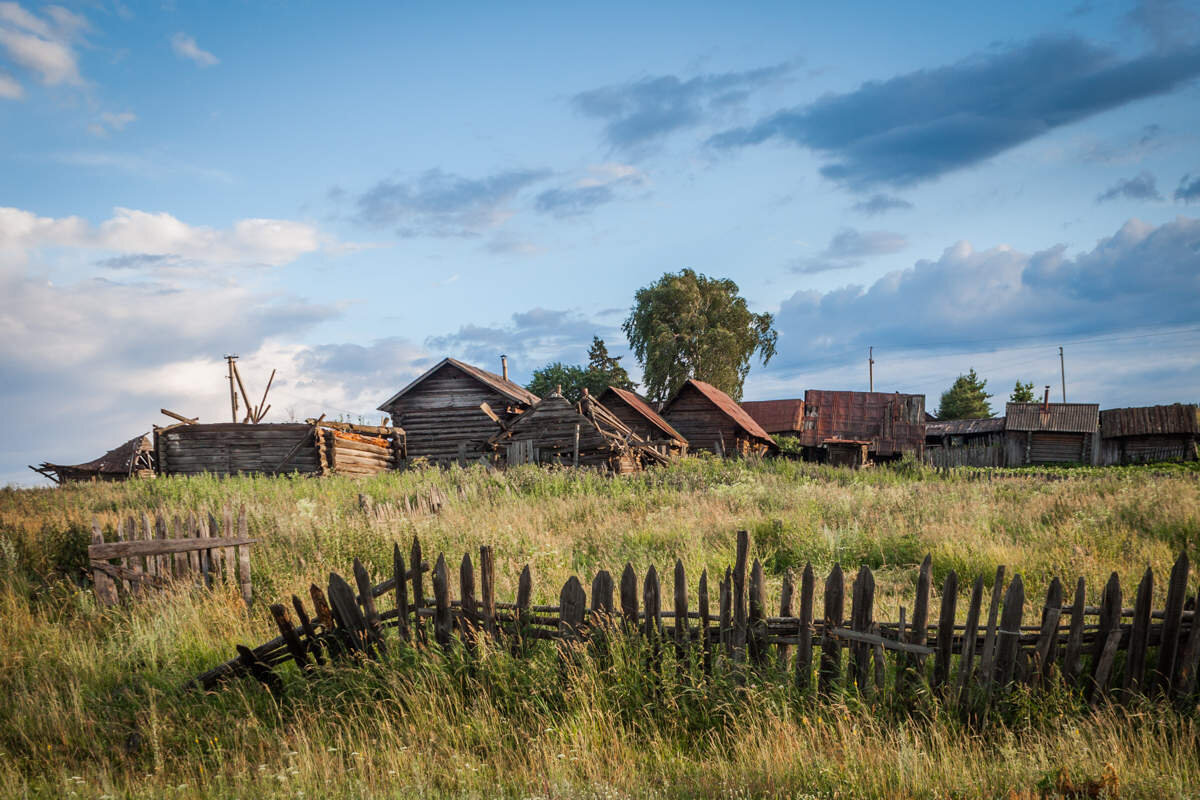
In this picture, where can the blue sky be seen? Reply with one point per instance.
(347, 194)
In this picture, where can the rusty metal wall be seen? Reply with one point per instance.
(892, 423)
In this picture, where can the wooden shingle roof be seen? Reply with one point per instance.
(638, 404)
(727, 405)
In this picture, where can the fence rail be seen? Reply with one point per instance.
(993, 649)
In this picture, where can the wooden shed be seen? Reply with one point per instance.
(441, 414)
(1149, 433)
(893, 423)
(965, 442)
(1051, 433)
(587, 435)
(633, 410)
(324, 448)
(133, 459)
(710, 420)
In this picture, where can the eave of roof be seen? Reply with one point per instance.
(634, 401)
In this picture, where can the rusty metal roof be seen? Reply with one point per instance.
(1060, 417)
(514, 392)
(727, 405)
(777, 416)
(893, 423)
(1179, 418)
(963, 427)
(638, 404)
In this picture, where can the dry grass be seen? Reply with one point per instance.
(91, 703)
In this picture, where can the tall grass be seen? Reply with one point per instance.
(91, 703)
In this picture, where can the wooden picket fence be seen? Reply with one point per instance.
(153, 552)
(962, 663)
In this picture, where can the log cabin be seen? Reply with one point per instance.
(441, 411)
(1051, 433)
(711, 421)
(633, 410)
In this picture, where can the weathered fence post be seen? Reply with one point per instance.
(757, 619)
(1072, 665)
(725, 621)
(652, 624)
(629, 601)
(966, 662)
(805, 626)
(704, 632)
(831, 648)
(466, 588)
(682, 629)
(374, 628)
(328, 624)
(310, 635)
(1108, 639)
(487, 590)
(1139, 637)
(572, 605)
(945, 634)
(288, 632)
(442, 620)
(521, 612)
(1172, 620)
(106, 590)
(920, 619)
(739, 596)
(987, 658)
(785, 611)
(401, 578)
(1009, 634)
(346, 612)
(418, 594)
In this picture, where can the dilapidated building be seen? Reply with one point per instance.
(710, 420)
(1051, 433)
(892, 424)
(965, 442)
(133, 459)
(777, 417)
(1149, 433)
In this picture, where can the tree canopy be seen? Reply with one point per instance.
(965, 399)
(687, 325)
(601, 372)
(1022, 393)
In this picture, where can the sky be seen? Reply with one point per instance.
(347, 193)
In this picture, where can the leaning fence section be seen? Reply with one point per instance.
(1106, 651)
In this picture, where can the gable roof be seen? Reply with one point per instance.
(638, 404)
(1061, 417)
(514, 392)
(726, 404)
(777, 416)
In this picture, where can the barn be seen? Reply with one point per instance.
(441, 411)
(1051, 433)
(555, 431)
(1149, 433)
(711, 421)
(893, 424)
(639, 417)
(134, 458)
(965, 442)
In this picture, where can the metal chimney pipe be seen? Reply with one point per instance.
(504, 367)
(1046, 401)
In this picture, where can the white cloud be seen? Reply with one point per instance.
(185, 47)
(10, 88)
(42, 46)
(271, 242)
(109, 122)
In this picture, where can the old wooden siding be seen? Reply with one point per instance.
(442, 419)
(230, 448)
(640, 418)
(707, 427)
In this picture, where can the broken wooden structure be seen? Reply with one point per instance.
(133, 459)
(633, 410)
(313, 447)
(151, 553)
(555, 431)
(711, 421)
(440, 411)
(1111, 652)
(1150, 433)
(853, 453)
(965, 442)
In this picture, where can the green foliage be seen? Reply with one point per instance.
(688, 325)
(965, 399)
(557, 375)
(602, 371)
(1022, 393)
(605, 370)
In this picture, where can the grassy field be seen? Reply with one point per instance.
(91, 705)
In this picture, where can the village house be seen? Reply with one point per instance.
(633, 410)
(1051, 433)
(711, 421)
(1150, 433)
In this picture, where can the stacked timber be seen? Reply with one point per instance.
(555, 431)
(313, 447)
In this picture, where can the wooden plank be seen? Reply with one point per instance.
(106, 590)
(312, 645)
(119, 573)
(1047, 644)
(1009, 632)
(325, 617)
(629, 601)
(920, 618)
(572, 603)
(682, 634)
(467, 614)
(1072, 663)
(851, 635)
(945, 634)
(652, 606)
(261, 672)
(1139, 637)
(346, 612)
(785, 610)
(725, 618)
(288, 632)
(740, 614)
(1188, 663)
(487, 590)
(442, 621)
(966, 662)
(192, 529)
(877, 657)
(243, 558)
(520, 618)
(399, 575)
(366, 599)
(831, 648)
(229, 554)
(1104, 664)
(418, 594)
(805, 625)
(119, 532)
(179, 558)
(206, 555)
(1167, 651)
(756, 619)
(602, 598)
(103, 551)
(147, 528)
(705, 622)
(987, 658)
(1108, 637)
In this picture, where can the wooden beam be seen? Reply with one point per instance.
(180, 417)
(102, 551)
(296, 448)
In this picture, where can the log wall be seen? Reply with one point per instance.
(704, 425)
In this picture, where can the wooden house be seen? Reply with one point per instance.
(965, 442)
(638, 416)
(441, 414)
(1051, 433)
(133, 459)
(711, 421)
(1150, 433)
(554, 431)
(313, 447)
(893, 423)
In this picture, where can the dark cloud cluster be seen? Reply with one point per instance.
(1168, 23)
(920, 125)
(1142, 272)
(438, 203)
(1188, 190)
(1140, 187)
(848, 248)
(641, 113)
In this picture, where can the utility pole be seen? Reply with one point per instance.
(870, 369)
(1063, 369)
(233, 403)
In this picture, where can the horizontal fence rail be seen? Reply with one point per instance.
(992, 650)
